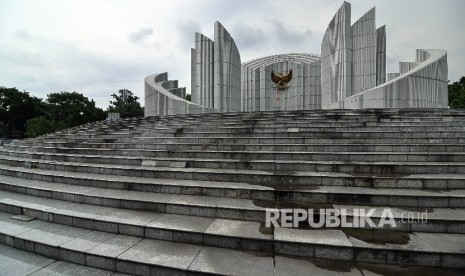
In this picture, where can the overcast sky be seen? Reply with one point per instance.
(98, 47)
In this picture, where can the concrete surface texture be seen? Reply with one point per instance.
(303, 92)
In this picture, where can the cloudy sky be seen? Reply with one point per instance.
(97, 47)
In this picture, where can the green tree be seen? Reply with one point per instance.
(15, 109)
(126, 104)
(189, 97)
(71, 109)
(457, 94)
(41, 125)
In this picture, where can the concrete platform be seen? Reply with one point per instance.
(187, 194)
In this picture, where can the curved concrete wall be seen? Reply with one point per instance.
(258, 90)
(336, 60)
(159, 101)
(353, 69)
(203, 72)
(364, 53)
(423, 86)
(227, 92)
(381, 55)
(216, 71)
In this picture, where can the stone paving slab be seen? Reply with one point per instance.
(12, 227)
(445, 243)
(237, 228)
(294, 267)
(59, 268)
(182, 223)
(161, 253)
(432, 213)
(88, 241)
(114, 246)
(227, 262)
(413, 243)
(326, 237)
(53, 234)
(17, 262)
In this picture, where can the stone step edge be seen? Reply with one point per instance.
(401, 129)
(264, 243)
(164, 147)
(45, 266)
(144, 171)
(103, 261)
(317, 194)
(252, 140)
(256, 137)
(13, 153)
(366, 253)
(318, 250)
(175, 205)
(358, 153)
(264, 145)
(91, 198)
(259, 178)
(143, 184)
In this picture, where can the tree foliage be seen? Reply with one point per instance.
(73, 109)
(15, 109)
(41, 125)
(457, 94)
(126, 104)
(24, 115)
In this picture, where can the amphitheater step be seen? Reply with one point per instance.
(243, 140)
(23, 263)
(128, 254)
(447, 220)
(401, 167)
(251, 147)
(225, 233)
(273, 155)
(24, 177)
(195, 194)
(260, 177)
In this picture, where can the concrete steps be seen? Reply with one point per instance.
(137, 256)
(22, 263)
(254, 140)
(266, 155)
(380, 168)
(444, 220)
(128, 254)
(428, 249)
(317, 194)
(191, 194)
(250, 147)
(279, 179)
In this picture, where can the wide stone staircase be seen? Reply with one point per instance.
(188, 195)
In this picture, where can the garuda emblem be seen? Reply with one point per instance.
(281, 80)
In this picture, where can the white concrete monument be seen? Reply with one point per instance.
(350, 74)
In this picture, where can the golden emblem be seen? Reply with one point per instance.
(281, 80)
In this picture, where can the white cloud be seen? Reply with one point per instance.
(140, 35)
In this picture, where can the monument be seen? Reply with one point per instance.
(349, 74)
(312, 190)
